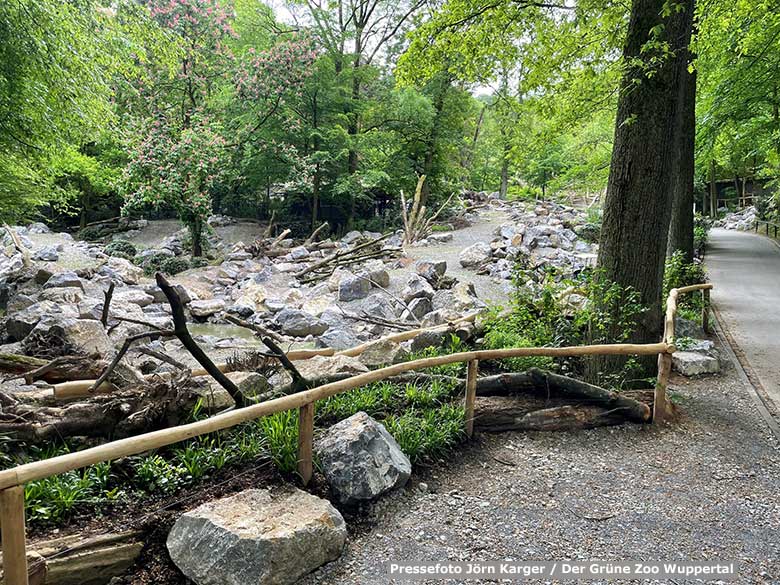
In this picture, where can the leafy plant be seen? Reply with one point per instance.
(427, 434)
(121, 247)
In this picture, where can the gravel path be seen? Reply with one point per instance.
(704, 488)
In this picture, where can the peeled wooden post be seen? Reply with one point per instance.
(471, 395)
(12, 530)
(660, 400)
(305, 441)
(705, 310)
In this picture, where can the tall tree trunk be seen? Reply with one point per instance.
(196, 233)
(504, 187)
(637, 206)
(713, 191)
(681, 226)
(433, 137)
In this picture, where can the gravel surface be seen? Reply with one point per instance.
(704, 488)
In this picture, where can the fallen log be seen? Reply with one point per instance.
(495, 415)
(632, 409)
(13, 363)
(68, 367)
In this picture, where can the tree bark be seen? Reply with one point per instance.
(713, 191)
(681, 226)
(637, 206)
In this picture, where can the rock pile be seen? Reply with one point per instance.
(744, 220)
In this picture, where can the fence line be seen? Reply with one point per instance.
(12, 480)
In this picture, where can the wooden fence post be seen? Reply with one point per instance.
(471, 395)
(705, 310)
(660, 401)
(13, 534)
(305, 441)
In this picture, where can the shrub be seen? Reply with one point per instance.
(90, 233)
(121, 247)
(427, 434)
(679, 273)
(701, 228)
(174, 265)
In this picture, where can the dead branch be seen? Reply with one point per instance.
(315, 233)
(298, 381)
(163, 357)
(107, 304)
(182, 333)
(121, 353)
(18, 245)
(259, 329)
(341, 254)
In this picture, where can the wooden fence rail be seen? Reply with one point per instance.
(768, 225)
(12, 521)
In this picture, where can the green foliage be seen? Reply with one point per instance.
(542, 314)
(679, 273)
(280, 432)
(427, 434)
(121, 247)
(701, 228)
(452, 345)
(174, 265)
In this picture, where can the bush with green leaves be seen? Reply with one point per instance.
(679, 273)
(90, 233)
(701, 228)
(174, 265)
(121, 248)
(541, 315)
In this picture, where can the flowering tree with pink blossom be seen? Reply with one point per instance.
(179, 169)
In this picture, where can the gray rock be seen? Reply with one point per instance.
(428, 339)
(417, 288)
(440, 238)
(361, 460)
(690, 363)
(206, 308)
(20, 323)
(383, 352)
(133, 296)
(338, 339)
(431, 271)
(418, 308)
(376, 273)
(475, 255)
(351, 237)
(257, 537)
(10, 266)
(326, 366)
(121, 269)
(299, 253)
(47, 254)
(38, 228)
(299, 323)
(86, 334)
(686, 328)
(352, 288)
(63, 279)
(378, 305)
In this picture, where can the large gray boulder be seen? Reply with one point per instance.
(475, 255)
(85, 334)
(20, 323)
(417, 288)
(692, 363)
(376, 273)
(430, 270)
(361, 460)
(300, 323)
(207, 307)
(64, 279)
(257, 537)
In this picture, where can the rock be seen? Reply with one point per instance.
(378, 305)
(440, 238)
(63, 279)
(383, 352)
(338, 339)
(213, 397)
(589, 232)
(299, 323)
(376, 273)
(475, 255)
(431, 271)
(361, 460)
(299, 253)
(38, 228)
(250, 384)
(206, 308)
(20, 324)
(47, 254)
(686, 328)
(86, 334)
(133, 296)
(351, 237)
(10, 266)
(257, 537)
(428, 339)
(689, 363)
(321, 366)
(418, 308)
(159, 296)
(121, 269)
(417, 288)
(352, 288)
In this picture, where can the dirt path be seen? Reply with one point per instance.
(745, 269)
(705, 488)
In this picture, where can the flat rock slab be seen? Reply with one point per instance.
(257, 537)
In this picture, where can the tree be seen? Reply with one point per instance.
(638, 200)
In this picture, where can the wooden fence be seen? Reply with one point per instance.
(12, 518)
